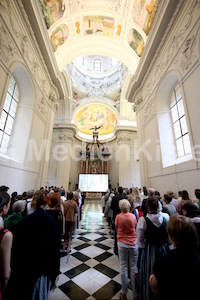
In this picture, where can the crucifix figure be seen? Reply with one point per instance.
(95, 127)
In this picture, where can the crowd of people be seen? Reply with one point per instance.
(34, 228)
(157, 241)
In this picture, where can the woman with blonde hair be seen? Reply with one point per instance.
(136, 195)
(125, 224)
(137, 202)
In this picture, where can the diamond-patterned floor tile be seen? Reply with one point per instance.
(91, 271)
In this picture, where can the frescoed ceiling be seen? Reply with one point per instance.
(97, 77)
(124, 21)
(97, 115)
(99, 46)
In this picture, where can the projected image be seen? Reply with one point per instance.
(93, 183)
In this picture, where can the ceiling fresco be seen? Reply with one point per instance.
(90, 116)
(59, 36)
(100, 25)
(52, 11)
(72, 23)
(144, 12)
(136, 41)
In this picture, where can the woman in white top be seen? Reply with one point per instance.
(153, 240)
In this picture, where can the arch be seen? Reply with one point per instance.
(70, 51)
(165, 126)
(23, 119)
(25, 85)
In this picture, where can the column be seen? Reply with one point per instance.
(44, 165)
(129, 174)
(62, 153)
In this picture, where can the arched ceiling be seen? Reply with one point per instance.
(122, 26)
(83, 34)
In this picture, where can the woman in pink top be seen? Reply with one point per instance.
(128, 251)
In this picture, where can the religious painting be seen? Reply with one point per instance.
(59, 36)
(99, 25)
(77, 25)
(52, 11)
(119, 29)
(136, 41)
(144, 12)
(93, 116)
(77, 95)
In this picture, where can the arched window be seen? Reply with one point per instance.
(8, 115)
(172, 119)
(179, 123)
(97, 65)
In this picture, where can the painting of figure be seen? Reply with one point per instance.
(52, 11)
(95, 115)
(151, 10)
(144, 12)
(59, 36)
(136, 41)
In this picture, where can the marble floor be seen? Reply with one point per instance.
(91, 270)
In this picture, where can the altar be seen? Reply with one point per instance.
(95, 162)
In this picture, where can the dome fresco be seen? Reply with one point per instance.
(90, 116)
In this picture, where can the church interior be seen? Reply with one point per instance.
(120, 76)
(102, 88)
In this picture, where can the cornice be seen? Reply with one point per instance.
(159, 32)
(34, 41)
(33, 18)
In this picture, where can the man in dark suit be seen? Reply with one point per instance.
(116, 211)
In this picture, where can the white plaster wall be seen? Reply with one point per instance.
(19, 180)
(38, 147)
(124, 168)
(192, 92)
(150, 148)
(21, 57)
(113, 174)
(180, 52)
(75, 165)
(52, 170)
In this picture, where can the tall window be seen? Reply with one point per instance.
(179, 122)
(97, 65)
(8, 115)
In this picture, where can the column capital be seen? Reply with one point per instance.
(64, 135)
(126, 136)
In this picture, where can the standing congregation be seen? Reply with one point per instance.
(152, 235)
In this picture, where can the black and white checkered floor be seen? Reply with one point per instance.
(92, 270)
